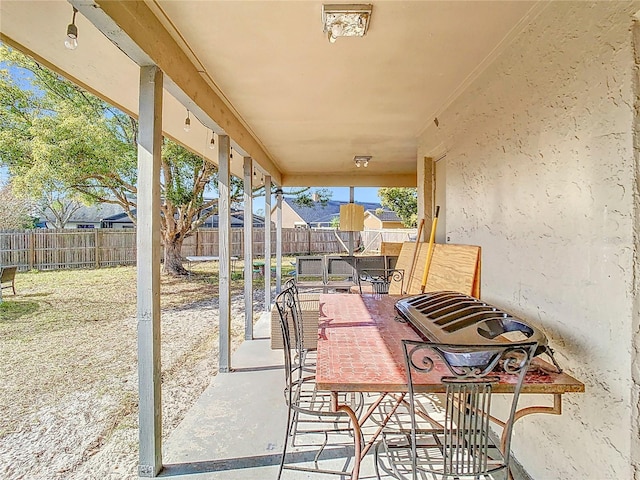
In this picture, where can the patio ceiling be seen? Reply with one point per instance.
(299, 105)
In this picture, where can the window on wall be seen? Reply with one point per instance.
(85, 225)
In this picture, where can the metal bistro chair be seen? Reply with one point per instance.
(380, 279)
(460, 445)
(309, 410)
(305, 355)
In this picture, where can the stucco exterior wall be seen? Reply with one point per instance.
(371, 222)
(541, 172)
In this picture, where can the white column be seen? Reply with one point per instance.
(278, 240)
(148, 265)
(224, 252)
(248, 248)
(267, 243)
(351, 234)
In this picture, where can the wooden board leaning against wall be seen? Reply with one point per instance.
(453, 267)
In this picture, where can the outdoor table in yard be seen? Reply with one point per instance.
(360, 350)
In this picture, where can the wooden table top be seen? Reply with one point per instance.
(360, 349)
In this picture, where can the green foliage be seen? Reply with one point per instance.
(306, 198)
(402, 201)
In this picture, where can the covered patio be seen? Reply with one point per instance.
(519, 119)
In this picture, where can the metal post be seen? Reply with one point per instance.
(148, 266)
(224, 252)
(351, 234)
(267, 243)
(278, 240)
(248, 248)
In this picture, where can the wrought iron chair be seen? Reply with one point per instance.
(304, 355)
(461, 445)
(380, 279)
(309, 410)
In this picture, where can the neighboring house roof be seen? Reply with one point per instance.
(237, 219)
(96, 213)
(384, 215)
(319, 213)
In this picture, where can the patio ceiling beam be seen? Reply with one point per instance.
(356, 180)
(136, 31)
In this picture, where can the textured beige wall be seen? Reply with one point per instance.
(371, 222)
(541, 172)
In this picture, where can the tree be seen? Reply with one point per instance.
(402, 201)
(15, 212)
(56, 137)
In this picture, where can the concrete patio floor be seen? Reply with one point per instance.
(235, 430)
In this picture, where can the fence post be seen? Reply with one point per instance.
(96, 241)
(32, 250)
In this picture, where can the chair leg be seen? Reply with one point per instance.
(286, 441)
(13, 286)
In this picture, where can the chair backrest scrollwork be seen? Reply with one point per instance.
(470, 374)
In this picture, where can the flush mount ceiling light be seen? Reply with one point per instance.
(346, 20)
(362, 160)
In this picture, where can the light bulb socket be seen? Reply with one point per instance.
(212, 143)
(72, 31)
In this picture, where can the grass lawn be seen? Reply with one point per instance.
(68, 356)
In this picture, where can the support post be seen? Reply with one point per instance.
(267, 243)
(278, 240)
(224, 252)
(351, 234)
(148, 266)
(248, 248)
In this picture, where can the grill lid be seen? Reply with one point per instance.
(451, 317)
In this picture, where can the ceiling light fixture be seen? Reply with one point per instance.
(346, 20)
(71, 41)
(212, 143)
(187, 122)
(362, 160)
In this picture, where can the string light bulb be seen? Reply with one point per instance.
(71, 40)
(212, 143)
(187, 122)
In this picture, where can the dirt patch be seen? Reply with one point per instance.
(69, 409)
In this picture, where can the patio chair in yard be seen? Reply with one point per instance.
(461, 445)
(8, 275)
(310, 272)
(309, 410)
(341, 275)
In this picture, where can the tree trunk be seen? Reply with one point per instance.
(173, 256)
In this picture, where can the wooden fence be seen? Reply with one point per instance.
(64, 249)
